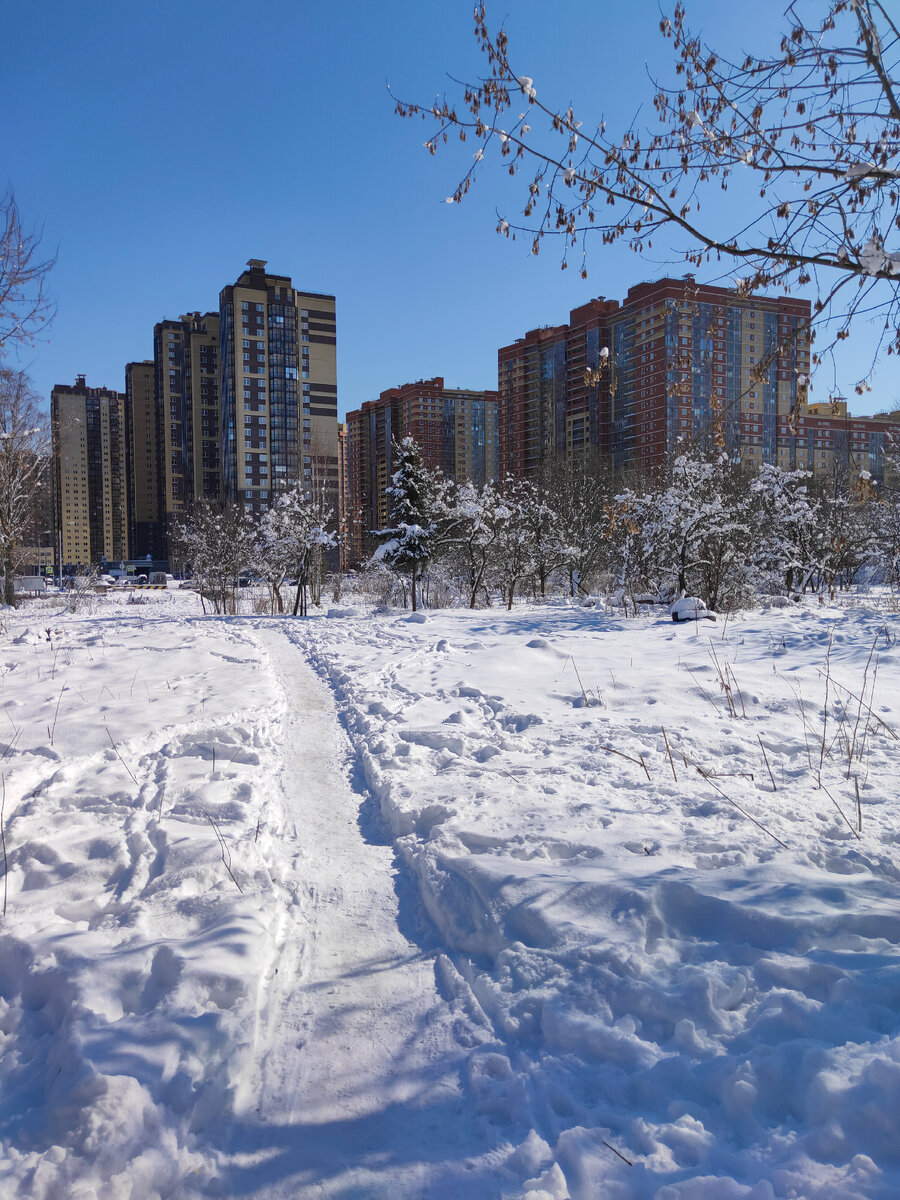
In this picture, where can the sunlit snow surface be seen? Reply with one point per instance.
(622, 944)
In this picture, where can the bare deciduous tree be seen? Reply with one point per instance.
(809, 138)
(293, 535)
(220, 544)
(24, 444)
(24, 305)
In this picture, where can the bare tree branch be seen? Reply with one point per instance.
(809, 136)
(24, 305)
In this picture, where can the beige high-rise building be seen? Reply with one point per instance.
(90, 474)
(278, 376)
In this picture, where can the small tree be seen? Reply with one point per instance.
(787, 520)
(695, 528)
(545, 533)
(577, 492)
(418, 516)
(24, 443)
(478, 516)
(292, 534)
(512, 557)
(220, 544)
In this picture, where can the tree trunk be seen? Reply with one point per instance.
(9, 591)
(476, 584)
(512, 589)
(412, 586)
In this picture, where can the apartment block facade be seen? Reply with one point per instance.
(90, 473)
(456, 430)
(278, 388)
(147, 527)
(830, 441)
(186, 362)
(676, 361)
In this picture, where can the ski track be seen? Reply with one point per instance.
(357, 1088)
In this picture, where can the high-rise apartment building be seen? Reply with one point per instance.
(829, 441)
(147, 530)
(675, 361)
(455, 429)
(90, 473)
(202, 377)
(278, 388)
(343, 496)
(186, 358)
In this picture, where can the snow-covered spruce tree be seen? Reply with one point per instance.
(419, 516)
(804, 138)
(219, 544)
(292, 534)
(24, 444)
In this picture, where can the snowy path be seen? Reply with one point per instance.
(358, 1087)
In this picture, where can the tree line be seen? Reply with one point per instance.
(706, 525)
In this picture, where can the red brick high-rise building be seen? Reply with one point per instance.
(675, 361)
(456, 431)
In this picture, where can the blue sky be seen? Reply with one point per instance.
(160, 145)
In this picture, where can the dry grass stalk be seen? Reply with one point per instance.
(825, 704)
(858, 804)
(669, 752)
(637, 761)
(703, 690)
(725, 687)
(734, 803)
(10, 745)
(571, 660)
(226, 853)
(840, 810)
(766, 759)
(52, 730)
(120, 758)
(867, 708)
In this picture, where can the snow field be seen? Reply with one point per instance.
(629, 989)
(129, 960)
(646, 970)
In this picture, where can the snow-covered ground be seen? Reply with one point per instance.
(535, 904)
